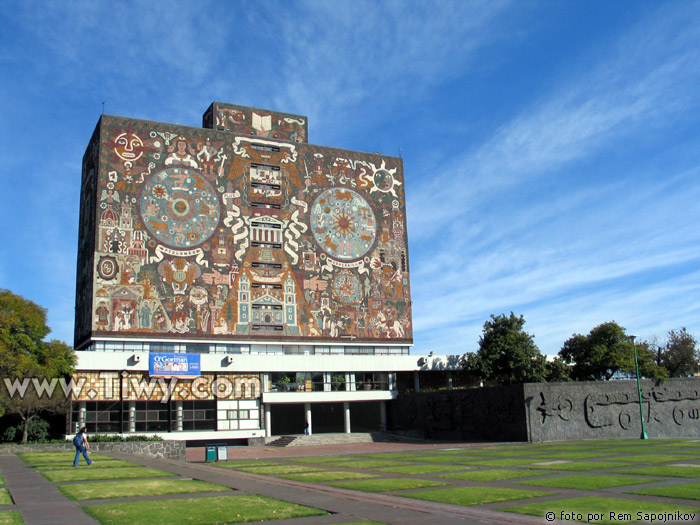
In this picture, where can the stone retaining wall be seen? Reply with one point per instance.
(539, 412)
(496, 413)
(149, 449)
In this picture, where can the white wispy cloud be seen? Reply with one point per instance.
(573, 253)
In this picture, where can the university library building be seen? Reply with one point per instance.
(236, 282)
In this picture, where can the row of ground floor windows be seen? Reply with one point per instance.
(108, 417)
(172, 416)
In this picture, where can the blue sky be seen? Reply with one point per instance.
(551, 149)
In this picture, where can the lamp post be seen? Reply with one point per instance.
(639, 389)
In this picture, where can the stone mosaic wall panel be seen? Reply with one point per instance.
(196, 233)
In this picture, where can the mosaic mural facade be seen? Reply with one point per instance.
(243, 234)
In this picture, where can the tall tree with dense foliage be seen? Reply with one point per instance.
(557, 371)
(25, 354)
(680, 354)
(507, 354)
(606, 350)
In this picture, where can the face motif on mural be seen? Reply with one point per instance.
(128, 146)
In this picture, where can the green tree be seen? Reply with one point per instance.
(557, 371)
(25, 354)
(606, 350)
(507, 354)
(679, 356)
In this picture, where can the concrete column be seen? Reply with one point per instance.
(265, 382)
(350, 381)
(392, 376)
(132, 416)
(346, 408)
(82, 414)
(416, 382)
(307, 408)
(268, 421)
(179, 416)
(382, 416)
(449, 380)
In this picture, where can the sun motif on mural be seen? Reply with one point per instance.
(384, 179)
(343, 224)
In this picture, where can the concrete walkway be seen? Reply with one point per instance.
(39, 501)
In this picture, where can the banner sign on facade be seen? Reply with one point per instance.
(167, 364)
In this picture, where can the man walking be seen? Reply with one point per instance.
(81, 447)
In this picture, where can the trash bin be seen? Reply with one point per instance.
(211, 452)
(222, 453)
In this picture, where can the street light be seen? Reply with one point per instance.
(639, 390)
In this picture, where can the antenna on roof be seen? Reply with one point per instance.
(400, 153)
(103, 107)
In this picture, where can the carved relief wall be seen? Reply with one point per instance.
(561, 411)
(205, 234)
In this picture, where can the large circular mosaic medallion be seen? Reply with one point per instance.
(347, 288)
(343, 224)
(179, 207)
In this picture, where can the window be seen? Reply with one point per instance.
(272, 266)
(264, 147)
(196, 415)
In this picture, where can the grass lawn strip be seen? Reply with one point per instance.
(327, 475)
(360, 464)
(422, 469)
(656, 458)
(209, 510)
(37, 458)
(474, 495)
(387, 484)
(279, 470)
(246, 463)
(683, 491)
(663, 470)
(582, 466)
(88, 473)
(573, 455)
(393, 455)
(509, 462)
(322, 459)
(590, 508)
(95, 464)
(5, 498)
(491, 475)
(11, 517)
(436, 458)
(141, 487)
(587, 481)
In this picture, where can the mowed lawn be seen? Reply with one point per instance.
(520, 474)
(602, 476)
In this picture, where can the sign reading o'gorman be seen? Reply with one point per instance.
(343, 224)
(179, 207)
